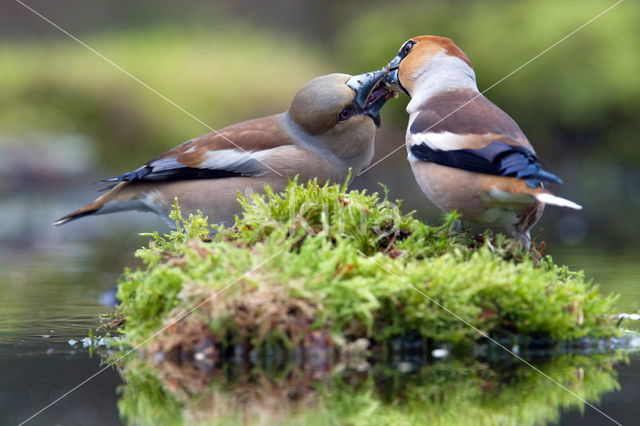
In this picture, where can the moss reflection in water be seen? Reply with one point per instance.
(441, 393)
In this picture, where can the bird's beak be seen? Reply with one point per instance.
(392, 79)
(371, 93)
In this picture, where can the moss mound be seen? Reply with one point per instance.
(320, 263)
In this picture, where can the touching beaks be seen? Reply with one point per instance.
(392, 79)
(371, 93)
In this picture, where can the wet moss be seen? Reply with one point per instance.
(444, 392)
(351, 265)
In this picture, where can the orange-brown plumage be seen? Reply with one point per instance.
(251, 135)
(431, 42)
(466, 153)
(315, 138)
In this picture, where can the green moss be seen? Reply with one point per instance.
(443, 393)
(145, 390)
(351, 264)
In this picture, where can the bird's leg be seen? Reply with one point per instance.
(525, 239)
(457, 226)
(522, 240)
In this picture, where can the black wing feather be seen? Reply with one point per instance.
(497, 158)
(145, 173)
(169, 169)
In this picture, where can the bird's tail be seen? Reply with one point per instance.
(114, 194)
(81, 212)
(549, 198)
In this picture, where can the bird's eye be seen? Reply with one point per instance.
(404, 51)
(345, 114)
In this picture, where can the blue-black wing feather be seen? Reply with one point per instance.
(145, 173)
(497, 158)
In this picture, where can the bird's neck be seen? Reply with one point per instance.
(347, 151)
(304, 140)
(441, 74)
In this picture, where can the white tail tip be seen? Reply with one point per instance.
(557, 201)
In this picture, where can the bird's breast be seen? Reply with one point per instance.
(473, 195)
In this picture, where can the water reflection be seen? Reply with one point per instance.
(443, 392)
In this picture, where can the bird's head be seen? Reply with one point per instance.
(341, 112)
(336, 102)
(420, 56)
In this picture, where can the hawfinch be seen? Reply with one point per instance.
(465, 152)
(328, 128)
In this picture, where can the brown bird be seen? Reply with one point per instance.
(328, 129)
(465, 152)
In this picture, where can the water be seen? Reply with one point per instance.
(48, 296)
(49, 290)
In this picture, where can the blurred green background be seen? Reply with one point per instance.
(68, 118)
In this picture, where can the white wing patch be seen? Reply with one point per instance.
(444, 141)
(166, 164)
(227, 159)
(231, 159)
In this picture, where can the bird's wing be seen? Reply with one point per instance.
(463, 129)
(237, 150)
(453, 114)
(497, 158)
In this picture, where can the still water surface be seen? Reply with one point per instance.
(49, 291)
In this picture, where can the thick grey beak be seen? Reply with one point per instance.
(392, 74)
(364, 84)
(371, 93)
